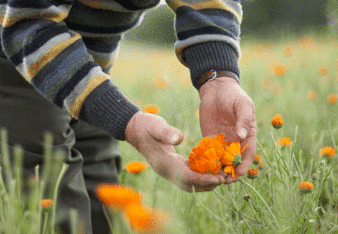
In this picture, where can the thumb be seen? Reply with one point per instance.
(244, 120)
(161, 131)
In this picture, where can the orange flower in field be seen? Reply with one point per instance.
(312, 95)
(145, 219)
(230, 170)
(256, 159)
(252, 173)
(323, 70)
(260, 165)
(277, 121)
(288, 50)
(332, 98)
(327, 151)
(153, 109)
(46, 204)
(117, 196)
(136, 167)
(285, 141)
(280, 70)
(305, 187)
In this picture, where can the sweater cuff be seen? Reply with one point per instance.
(106, 108)
(214, 55)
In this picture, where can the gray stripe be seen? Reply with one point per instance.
(25, 12)
(32, 58)
(104, 56)
(207, 38)
(68, 102)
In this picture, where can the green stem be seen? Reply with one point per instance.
(263, 200)
(5, 157)
(45, 224)
(56, 190)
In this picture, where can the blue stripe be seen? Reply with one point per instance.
(91, 43)
(71, 84)
(202, 31)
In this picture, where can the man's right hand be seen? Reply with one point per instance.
(155, 139)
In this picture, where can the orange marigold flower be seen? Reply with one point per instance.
(288, 50)
(252, 173)
(117, 196)
(327, 151)
(323, 70)
(232, 151)
(145, 219)
(260, 165)
(277, 121)
(280, 70)
(332, 98)
(285, 141)
(312, 95)
(231, 170)
(46, 203)
(305, 187)
(136, 167)
(256, 159)
(153, 109)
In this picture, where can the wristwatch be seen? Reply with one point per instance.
(213, 74)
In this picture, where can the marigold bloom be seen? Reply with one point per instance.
(305, 187)
(260, 165)
(327, 151)
(46, 203)
(117, 196)
(332, 98)
(256, 159)
(145, 219)
(277, 121)
(323, 70)
(288, 50)
(280, 70)
(252, 173)
(153, 109)
(285, 141)
(230, 170)
(312, 95)
(136, 167)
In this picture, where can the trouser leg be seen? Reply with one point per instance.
(101, 164)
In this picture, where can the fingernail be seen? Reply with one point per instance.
(243, 133)
(174, 138)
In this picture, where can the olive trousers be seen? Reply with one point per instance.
(92, 155)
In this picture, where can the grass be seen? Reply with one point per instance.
(271, 203)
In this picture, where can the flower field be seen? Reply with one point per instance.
(291, 186)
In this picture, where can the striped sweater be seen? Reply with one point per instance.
(65, 48)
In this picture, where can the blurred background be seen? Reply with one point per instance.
(262, 19)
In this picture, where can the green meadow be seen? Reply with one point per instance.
(296, 77)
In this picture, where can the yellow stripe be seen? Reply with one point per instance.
(48, 56)
(104, 63)
(92, 84)
(56, 17)
(94, 4)
(211, 4)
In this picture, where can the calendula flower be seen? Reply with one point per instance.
(256, 159)
(327, 151)
(135, 167)
(312, 95)
(288, 50)
(260, 165)
(280, 70)
(46, 204)
(305, 187)
(252, 173)
(153, 109)
(145, 219)
(117, 196)
(277, 121)
(161, 82)
(285, 141)
(231, 170)
(323, 70)
(332, 98)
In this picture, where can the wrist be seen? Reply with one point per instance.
(213, 74)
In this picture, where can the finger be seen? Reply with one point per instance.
(245, 118)
(161, 131)
(248, 154)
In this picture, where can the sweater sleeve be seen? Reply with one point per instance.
(55, 61)
(208, 35)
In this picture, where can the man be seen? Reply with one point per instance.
(56, 55)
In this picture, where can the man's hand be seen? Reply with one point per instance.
(226, 108)
(155, 139)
